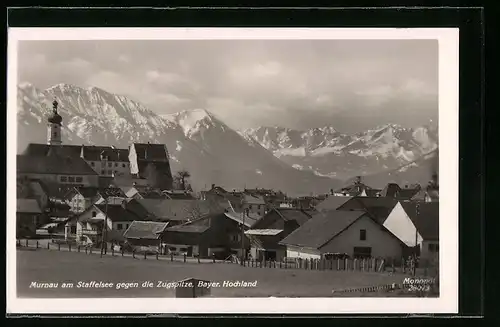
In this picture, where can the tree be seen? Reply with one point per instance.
(181, 177)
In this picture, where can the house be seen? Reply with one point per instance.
(354, 233)
(151, 161)
(33, 189)
(29, 217)
(416, 224)
(80, 198)
(378, 208)
(218, 234)
(254, 204)
(267, 232)
(89, 225)
(356, 188)
(145, 233)
(178, 195)
(173, 211)
(57, 169)
(137, 192)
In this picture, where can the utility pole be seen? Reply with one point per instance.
(243, 230)
(417, 212)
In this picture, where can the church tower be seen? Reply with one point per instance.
(54, 136)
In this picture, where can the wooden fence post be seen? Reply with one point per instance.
(86, 249)
(78, 248)
(363, 264)
(133, 254)
(112, 251)
(145, 254)
(48, 245)
(90, 250)
(157, 256)
(198, 258)
(26, 242)
(280, 264)
(172, 257)
(261, 260)
(59, 246)
(122, 250)
(213, 257)
(184, 257)
(69, 247)
(338, 264)
(403, 268)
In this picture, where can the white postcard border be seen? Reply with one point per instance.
(448, 178)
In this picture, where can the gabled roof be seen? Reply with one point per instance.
(249, 220)
(252, 199)
(332, 202)
(55, 164)
(115, 212)
(322, 228)
(287, 214)
(390, 190)
(379, 208)
(28, 206)
(151, 152)
(188, 228)
(427, 221)
(145, 230)
(42, 150)
(165, 209)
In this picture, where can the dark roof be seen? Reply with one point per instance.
(151, 152)
(53, 165)
(407, 193)
(379, 208)
(93, 153)
(372, 192)
(41, 150)
(427, 221)
(292, 214)
(27, 206)
(188, 228)
(116, 212)
(250, 219)
(390, 190)
(165, 209)
(252, 199)
(145, 230)
(321, 228)
(332, 202)
(151, 194)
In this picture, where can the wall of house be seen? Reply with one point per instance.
(304, 253)
(382, 243)
(121, 225)
(259, 253)
(78, 203)
(86, 180)
(401, 225)
(108, 168)
(259, 209)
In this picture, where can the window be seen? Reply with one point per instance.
(123, 165)
(362, 234)
(94, 214)
(116, 164)
(362, 252)
(64, 179)
(79, 179)
(250, 207)
(73, 230)
(55, 134)
(119, 226)
(103, 172)
(110, 164)
(92, 164)
(126, 226)
(71, 179)
(110, 172)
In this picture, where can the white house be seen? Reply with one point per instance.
(416, 224)
(354, 233)
(88, 225)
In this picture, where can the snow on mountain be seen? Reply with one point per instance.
(197, 140)
(332, 153)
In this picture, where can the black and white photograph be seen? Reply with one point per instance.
(198, 166)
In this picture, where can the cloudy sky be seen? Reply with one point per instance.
(349, 84)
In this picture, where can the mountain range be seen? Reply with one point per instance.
(297, 162)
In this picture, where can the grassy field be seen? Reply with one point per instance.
(46, 266)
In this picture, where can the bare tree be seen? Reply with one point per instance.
(181, 177)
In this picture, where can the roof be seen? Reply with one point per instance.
(263, 232)
(27, 206)
(93, 153)
(252, 199)
(390, 190)
(188, 228)
(332, 202)
(372, 192)
(289, 214)
(116, 212)
(56, 164)
(407, 193)
(427, 221)
(322, 228)
(379, 208)
(151, 152)
(166, 209)
(41, 150)
(249, 220)
(145, 230)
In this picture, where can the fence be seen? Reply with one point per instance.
(349, 264)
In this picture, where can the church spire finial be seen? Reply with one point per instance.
(54, 105)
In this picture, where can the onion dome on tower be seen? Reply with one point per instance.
(55, 118)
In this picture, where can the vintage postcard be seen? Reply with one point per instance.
(174, 170)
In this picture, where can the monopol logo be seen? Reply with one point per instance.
(418, 281)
